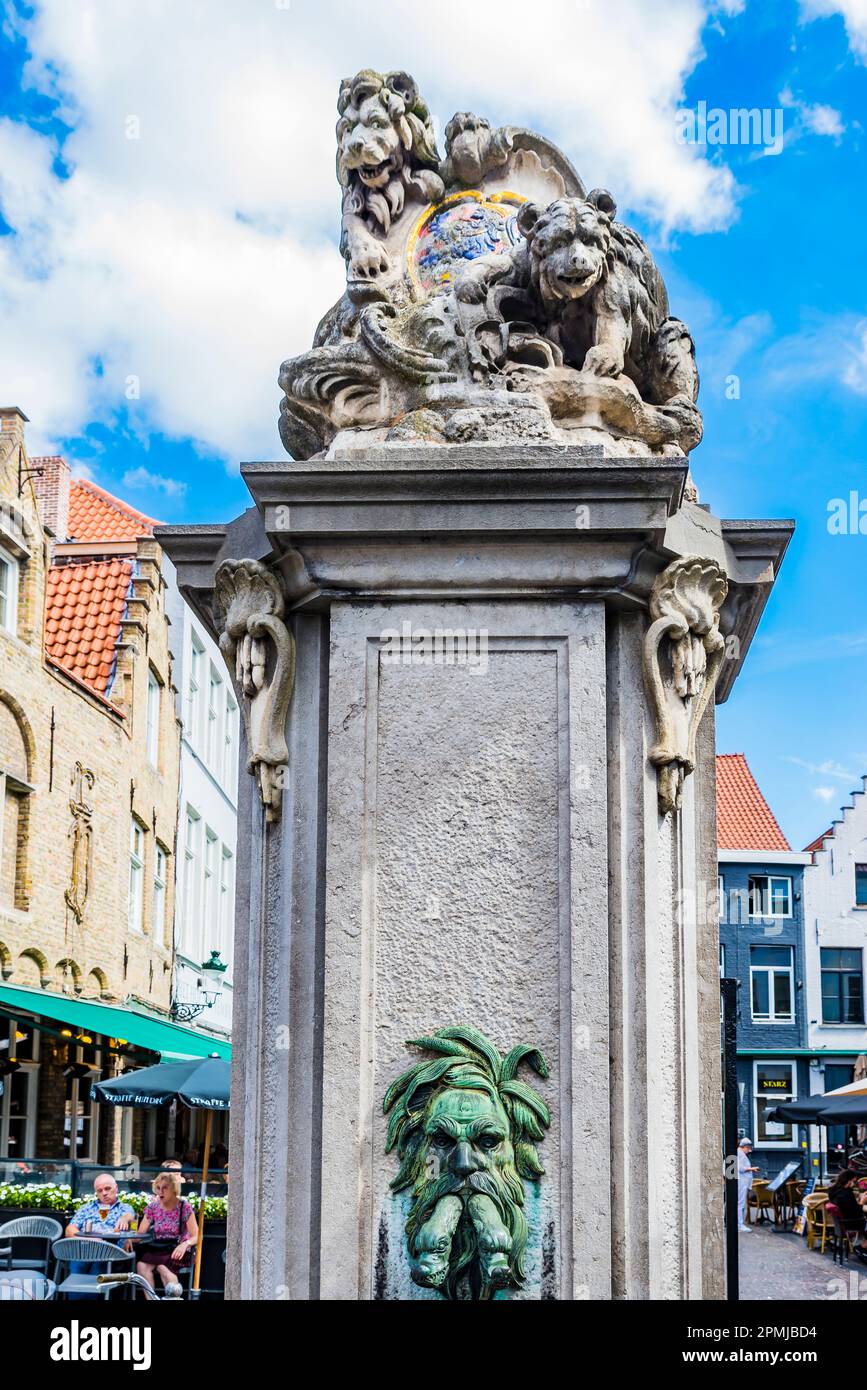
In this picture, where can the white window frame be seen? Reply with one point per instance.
(210, 897)
(137, 857)
(194, 689)
(93, 1110)
(784, 1099)
(154, 709)
(230, 744)
(29, 1069)
(786, 1019)
(158, 903)
(192, 881)
(9, 595)
(227, 902)
(216, 700)
(771, 879)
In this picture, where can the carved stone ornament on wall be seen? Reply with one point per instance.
(683, 655)
(465, 1129)
(81, 840)
(489, 297)
(260, 649)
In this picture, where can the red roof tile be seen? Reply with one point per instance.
(744, 818)
(94, 515)
(84, 605)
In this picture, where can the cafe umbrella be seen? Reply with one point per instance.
(200, 1083)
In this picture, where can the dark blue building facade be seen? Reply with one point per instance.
(762, 947)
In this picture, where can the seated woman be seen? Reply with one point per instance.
(171, 1221)
(845, 1196)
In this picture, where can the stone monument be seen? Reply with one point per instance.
(479, 621)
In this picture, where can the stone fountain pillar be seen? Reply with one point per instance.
(499, 830)
(478, 629)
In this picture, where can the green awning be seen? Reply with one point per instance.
(114, 1021)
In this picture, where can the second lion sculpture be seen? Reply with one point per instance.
(595, 292)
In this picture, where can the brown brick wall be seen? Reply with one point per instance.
(56, 724)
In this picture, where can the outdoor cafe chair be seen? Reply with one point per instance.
(819, 1226)
(26, 1286)
(760, 1200)
(89, 1250)
(30, 1228)
(841, 1245)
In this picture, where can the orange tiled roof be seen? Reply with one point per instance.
(94, 515)
(84, 605)
(744, 818)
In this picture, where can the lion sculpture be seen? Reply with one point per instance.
(465, 1129)
(386, 148)
(596, 293)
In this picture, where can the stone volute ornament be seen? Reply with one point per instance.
(489, 297)
(260, 649)
(683, 654)
(465, 1129)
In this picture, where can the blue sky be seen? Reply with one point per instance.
(168, 221)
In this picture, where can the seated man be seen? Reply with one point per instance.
(103, 1212)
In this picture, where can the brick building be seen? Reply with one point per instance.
(89, 758)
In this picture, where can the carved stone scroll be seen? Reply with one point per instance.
(683, 655)
(81, 842)
(260, 649)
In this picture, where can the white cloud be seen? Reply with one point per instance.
(200, 254)
(142, 478)
(824, 793)
(853, 13)
(829, 768)
(832, 349)
(812, 118)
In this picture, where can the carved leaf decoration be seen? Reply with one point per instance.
(476, 1040)
(527, 1161)
(525, 1120)
(448, 1046)
(531, 1055)
(529, 1097)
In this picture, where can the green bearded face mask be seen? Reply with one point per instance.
(465, 1129)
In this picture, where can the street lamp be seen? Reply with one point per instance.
(212, 971)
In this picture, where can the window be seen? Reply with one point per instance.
(194, 689)
(8, 592)
(158, 918)
(861, 885)
(227, 902)
(19, 1041)
(769, 896)
(153, 726)
(192, 835)
(214, 740)
(842, 985)
(721, 898)
(771, 984)
(722, 961)
(81, 1117)
(210, 918)
(136, 875)
(774, 1083)
(230, 752)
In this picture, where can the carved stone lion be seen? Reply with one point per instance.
(596, 293)
(386, 148)
(465, 1129)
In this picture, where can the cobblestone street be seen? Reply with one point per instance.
(775, 1267)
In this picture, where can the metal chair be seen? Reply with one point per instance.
(28, 1228)
(90, 1250)
(26, 1286)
